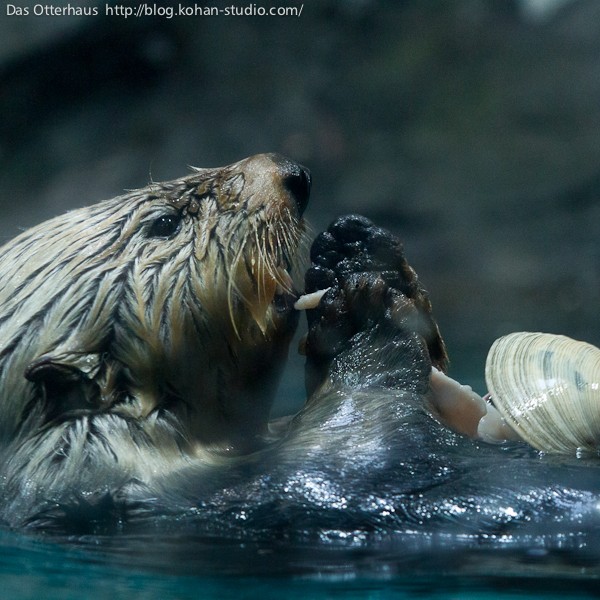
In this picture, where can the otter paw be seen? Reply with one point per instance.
(374, 321)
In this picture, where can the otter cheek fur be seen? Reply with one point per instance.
(148, 329)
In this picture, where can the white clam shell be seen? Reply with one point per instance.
(547, 387)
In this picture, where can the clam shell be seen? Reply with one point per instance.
(547, 387)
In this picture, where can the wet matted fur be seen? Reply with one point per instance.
(147, 330)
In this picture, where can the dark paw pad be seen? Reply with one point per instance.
(374, 299)
(353, 244)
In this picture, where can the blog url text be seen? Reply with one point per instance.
(145, 9)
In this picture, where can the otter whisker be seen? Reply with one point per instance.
(232, 288)
(262, 267)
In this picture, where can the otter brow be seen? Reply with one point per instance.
(189, 202)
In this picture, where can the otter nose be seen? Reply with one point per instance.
(296, 180)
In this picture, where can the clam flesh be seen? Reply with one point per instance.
(547, 388)
(461, 409)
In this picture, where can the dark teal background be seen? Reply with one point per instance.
(468, 127)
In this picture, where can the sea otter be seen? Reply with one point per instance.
(147, 331)
(141, 340)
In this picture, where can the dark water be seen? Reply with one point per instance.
(502, 522)
(194, 568)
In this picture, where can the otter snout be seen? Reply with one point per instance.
(275, 178)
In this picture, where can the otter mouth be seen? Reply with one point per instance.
(282, 308)
(287, 298)
(285, 292)
(266, 279)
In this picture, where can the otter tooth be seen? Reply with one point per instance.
(308, 301)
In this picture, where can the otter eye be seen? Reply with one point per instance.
(164, 226)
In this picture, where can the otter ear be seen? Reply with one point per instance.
(67, 367)
(67, 380)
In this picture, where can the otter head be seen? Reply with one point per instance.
(174, 299)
